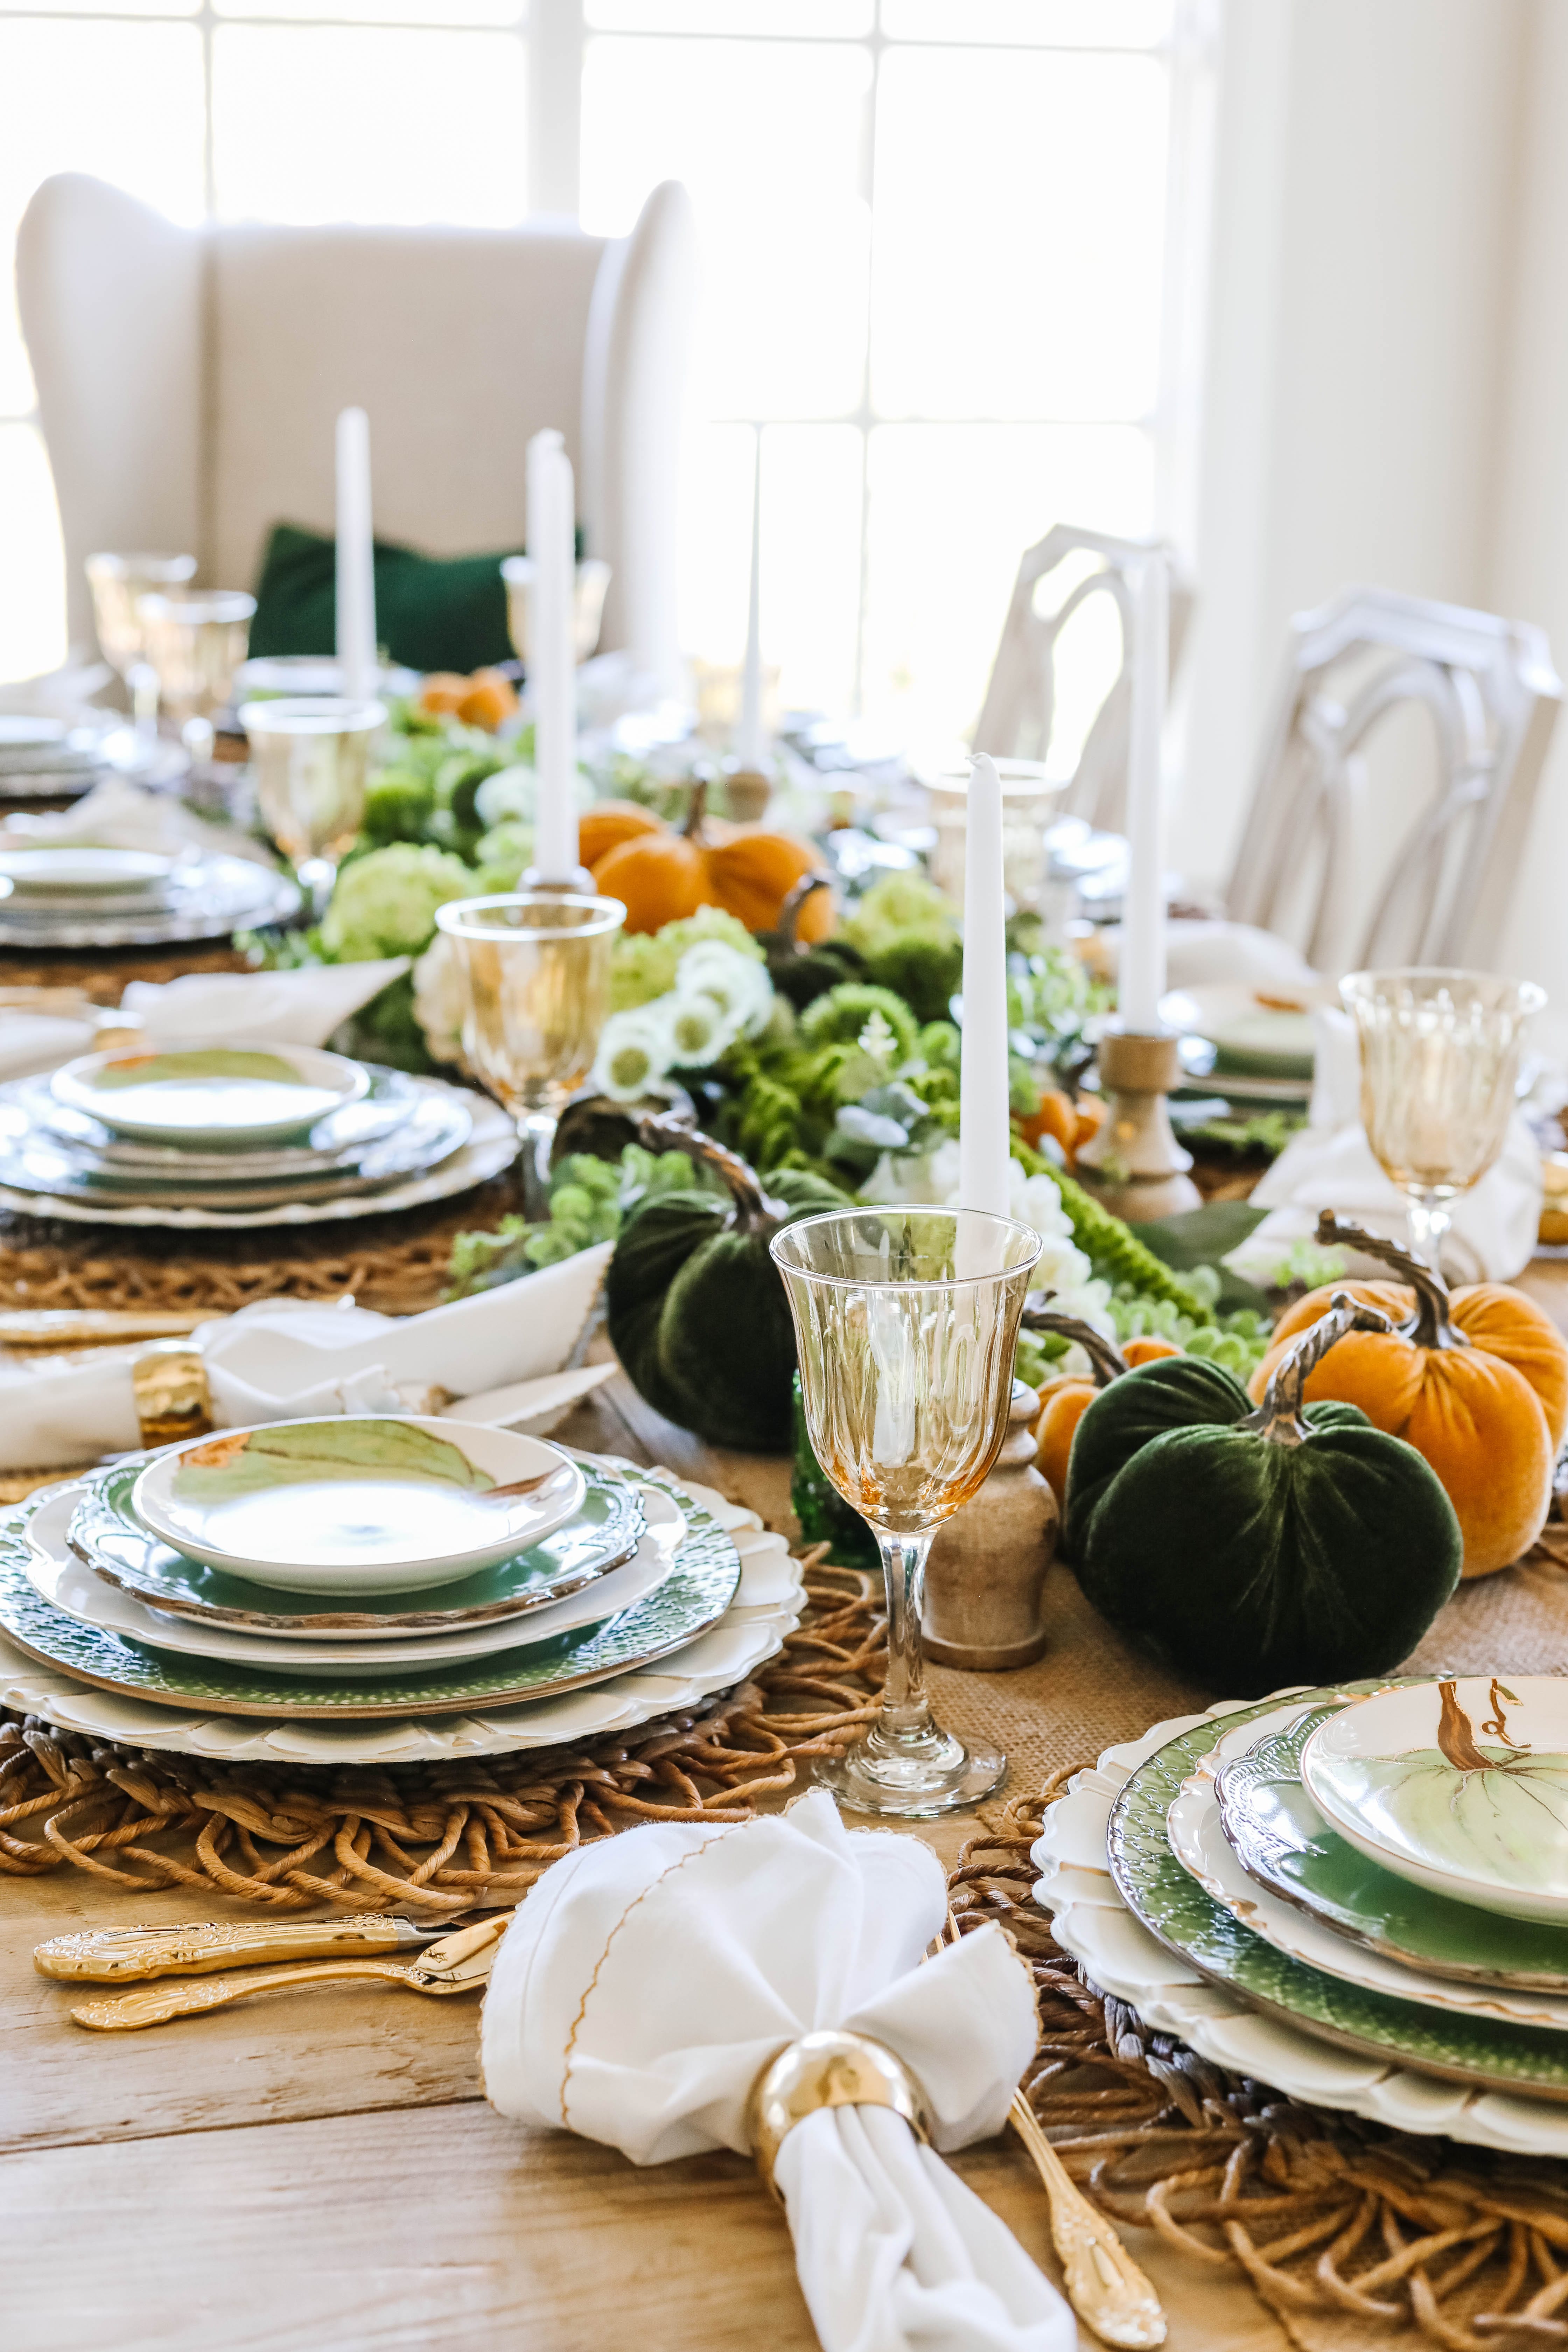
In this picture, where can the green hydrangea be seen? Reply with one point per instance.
(503, 856)
(646, 963)
(385, 904)
(898, 908)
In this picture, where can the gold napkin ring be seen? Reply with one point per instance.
(829, 2069)
(169, 1382)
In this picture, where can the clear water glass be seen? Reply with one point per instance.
(1439, 1065)
(906, 1323)
(535, 971)
(118, 584)
(590, 589)
(310, 758)
(195, 639)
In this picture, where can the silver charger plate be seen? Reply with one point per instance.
(205, 900)
(338, 1140)
(492, 1145)
(120, 752)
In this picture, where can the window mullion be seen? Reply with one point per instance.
(555, 107)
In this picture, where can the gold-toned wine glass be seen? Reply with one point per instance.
(195, 639)
(906, 1321)
(309, 755)
(118, 584)
(1439, 1061)
(535, 968)
(588, 592)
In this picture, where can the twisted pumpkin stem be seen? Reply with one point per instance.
(789, 913)
(696, 810)
(1429, 1326)
(1106, 1359)
(754, 1212)
(1279, 1418)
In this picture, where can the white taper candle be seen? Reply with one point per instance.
(355, 566)
(553, 679)
(749, 742)
(1141, 977)
(984, 1132)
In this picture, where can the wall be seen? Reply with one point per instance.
(1366, 219)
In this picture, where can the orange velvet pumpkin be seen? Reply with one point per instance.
(1066, 1397)
(661, 876)
(658, 878)
(754, 873)
(1477, 1383)
(608, 823)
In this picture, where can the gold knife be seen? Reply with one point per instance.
(131, 1955)
(94, 1327)
(457, 1963)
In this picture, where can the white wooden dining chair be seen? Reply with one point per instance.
(1019, 717)
(188, 381)
(1332, 857)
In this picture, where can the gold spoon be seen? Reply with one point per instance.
(459, 1963)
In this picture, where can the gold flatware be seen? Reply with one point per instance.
(94, 1327)
(457, 1963)
(198, 1948)
(1104, 2284)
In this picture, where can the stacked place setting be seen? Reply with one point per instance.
(224, 1135)
(365, 1587)
(50, 756)
(78, 894)
(1333, 1877)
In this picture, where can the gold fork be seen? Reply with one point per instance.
(1104, 2284)
(458, 1963)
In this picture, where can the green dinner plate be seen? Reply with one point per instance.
(1282, 1841)
(106, 1533)
(1176, 1910)
(692, 1597)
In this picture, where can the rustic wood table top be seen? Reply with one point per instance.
(319, 2169)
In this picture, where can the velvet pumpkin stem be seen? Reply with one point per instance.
(1429, 1326)
(696, 810)
(795, 898)
(1107, 1359)
(1279, 1418)
(754, 1212)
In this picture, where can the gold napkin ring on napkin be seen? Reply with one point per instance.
(169, 1383)
(829, 2069)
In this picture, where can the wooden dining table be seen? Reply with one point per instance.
(319, 2168)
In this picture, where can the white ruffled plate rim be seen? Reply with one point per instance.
(1090, 1919)
(768, 1604)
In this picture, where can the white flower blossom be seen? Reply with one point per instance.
(439, 998)
(698, 1028)
(509, 792)
(738, 983)
(634, 1053)
(905, 1180)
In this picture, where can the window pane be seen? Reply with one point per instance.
(33, 572)
(112, 8)
(332, 125)
(378, 12)
(800, 17)
(1065, 24)
(122, 101)
(811, 543)
(1020, 220)
(952, 509)
(767, 137)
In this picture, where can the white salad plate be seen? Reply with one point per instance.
(357, 1503)
(1458, 1785)
(335, 1141)
(211, 1095)
(1199, 1843)
(81, 867)
(62, 1579)
(1265, 1032)
(203, 898)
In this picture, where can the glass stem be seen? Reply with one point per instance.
(1430, 1221)
(905, 1720)
(316, 876)
(537, 1128)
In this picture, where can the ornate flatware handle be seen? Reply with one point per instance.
(129, 2011)
(1104, 2284)
(126, 1955)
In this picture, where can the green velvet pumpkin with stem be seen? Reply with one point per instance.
(696, 1307)
(1254, 1549)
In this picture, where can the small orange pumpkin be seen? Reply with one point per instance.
(660, 877)
(1068, 1397)
(754, 873)
(1052, 1115)
(608, 823)
(1475, 1381)
(482, 701)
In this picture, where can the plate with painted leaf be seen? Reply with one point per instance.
(1459, 1785)
(1199, 1843)
(357, 1502)
(601, 1535)
(1284, 1843)
(210, 1095)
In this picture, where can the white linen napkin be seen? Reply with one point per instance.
(1330, 1165)
(288, 1360)
(229, 1008)
(649, 1978)
(118, 814)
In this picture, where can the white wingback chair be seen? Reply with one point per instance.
(188, 380)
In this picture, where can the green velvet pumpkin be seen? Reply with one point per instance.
(1256, 1548)
(696, 1308)
(800, 972)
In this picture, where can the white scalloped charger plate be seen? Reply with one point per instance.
(1090, 1921)
(768, 1604)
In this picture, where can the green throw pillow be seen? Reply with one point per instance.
(431, 612)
